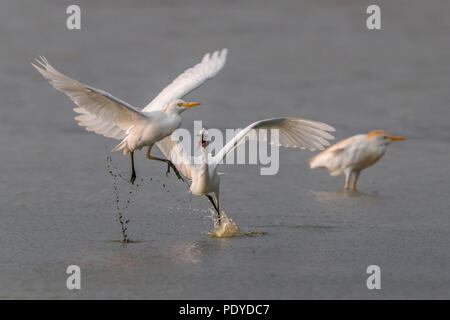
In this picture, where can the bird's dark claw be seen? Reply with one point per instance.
(168, 168)
(171, 165)
(218, 218)
(133, 178)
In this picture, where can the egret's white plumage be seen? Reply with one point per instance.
(293, 132)
(352, 155)
(111, 117)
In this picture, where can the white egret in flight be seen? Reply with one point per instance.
(293, 132)
(354, 154)
(111, 117)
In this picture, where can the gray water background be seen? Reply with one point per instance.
(310, 59)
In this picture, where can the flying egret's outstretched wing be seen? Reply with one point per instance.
(99, 111)
(173, 151)
(293, 132)
(189, 80)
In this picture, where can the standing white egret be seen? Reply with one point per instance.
(354, 154)
(293, 132)
(111, 117)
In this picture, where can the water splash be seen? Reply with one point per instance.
(226, 229)
(114, 172)
(125, 199)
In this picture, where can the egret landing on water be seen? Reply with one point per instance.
(354, 154)
(293, 132)
(111, 117)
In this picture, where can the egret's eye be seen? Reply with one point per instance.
(385, 137)
(180, 104)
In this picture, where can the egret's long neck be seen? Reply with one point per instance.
(171, 112)
(173, 118)
(204, 157)
(205, 165)
(378, 148)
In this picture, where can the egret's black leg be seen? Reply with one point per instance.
(169, 164)
(215, 207)
(355, 180)
(133, 171)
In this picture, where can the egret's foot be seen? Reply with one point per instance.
(168, 168)
(218, 218)
(171, 165)
(133, 177)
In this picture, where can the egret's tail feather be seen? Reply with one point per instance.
(122, 146)
(315, 162)
(325, 160)
(319, 161)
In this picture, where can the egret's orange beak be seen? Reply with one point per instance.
(189, 104)
(395, 138)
